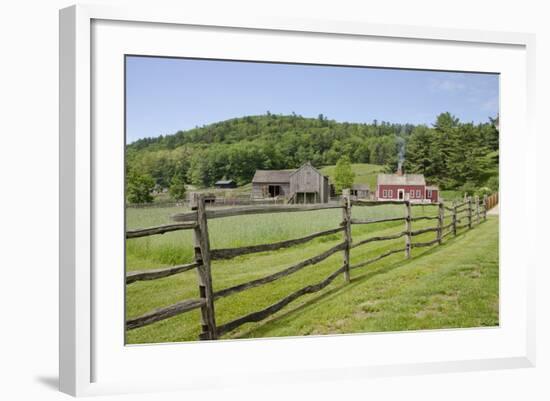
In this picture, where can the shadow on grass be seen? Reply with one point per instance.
(256, 332)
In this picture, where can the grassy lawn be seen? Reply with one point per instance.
(439, 287)
(443, 287)
(451, 195)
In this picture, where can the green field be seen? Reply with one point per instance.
(454, 285)
(364, 173)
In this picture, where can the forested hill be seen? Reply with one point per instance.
(450, 153)
(273, 127)
(236, 148)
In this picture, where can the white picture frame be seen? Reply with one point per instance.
(84, 353)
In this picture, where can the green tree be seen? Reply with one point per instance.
(343, 175)
(492, 183)
(177, 188)
(468, 189)
(445, 121)
(139, 187)
(449, 154)
(419, 151)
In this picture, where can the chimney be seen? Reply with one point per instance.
(399, 168)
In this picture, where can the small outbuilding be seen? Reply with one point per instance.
(225, 184)
(360, 191)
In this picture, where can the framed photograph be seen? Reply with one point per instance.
(279, 199)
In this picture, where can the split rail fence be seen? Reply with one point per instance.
(463, 215)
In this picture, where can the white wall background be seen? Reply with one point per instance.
(29, 195)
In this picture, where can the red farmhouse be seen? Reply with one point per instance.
(405, 187)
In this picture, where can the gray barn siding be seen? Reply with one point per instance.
(258, 189)
(308, 179)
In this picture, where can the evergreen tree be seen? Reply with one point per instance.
(420, 151)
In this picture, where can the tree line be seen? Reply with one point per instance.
(451, 154)
(455, 155)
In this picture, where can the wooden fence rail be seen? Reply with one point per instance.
(154, 274)
(246, 210)
(230, 253)
(380, 238)
(374, 221)
(145, 232)
(463, 215)
(282, 273)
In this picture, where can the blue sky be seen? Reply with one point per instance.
(165, 95)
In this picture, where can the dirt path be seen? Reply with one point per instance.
(494, 211)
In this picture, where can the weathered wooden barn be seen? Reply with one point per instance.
(304, 185)
(401, 186)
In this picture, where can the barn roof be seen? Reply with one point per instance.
(224, 182)
(405, 179)
(280, 176)
(433, 188)
(277, 176)
(307, 164)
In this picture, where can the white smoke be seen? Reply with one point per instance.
(400, 152)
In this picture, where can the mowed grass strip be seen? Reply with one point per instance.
(144, 296)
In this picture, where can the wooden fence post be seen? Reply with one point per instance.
(202, 256)
(454, 219)
(408, 229)
(440, 220)
(346, 217)
(469, 212)
(477, 209)
(484, 207)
